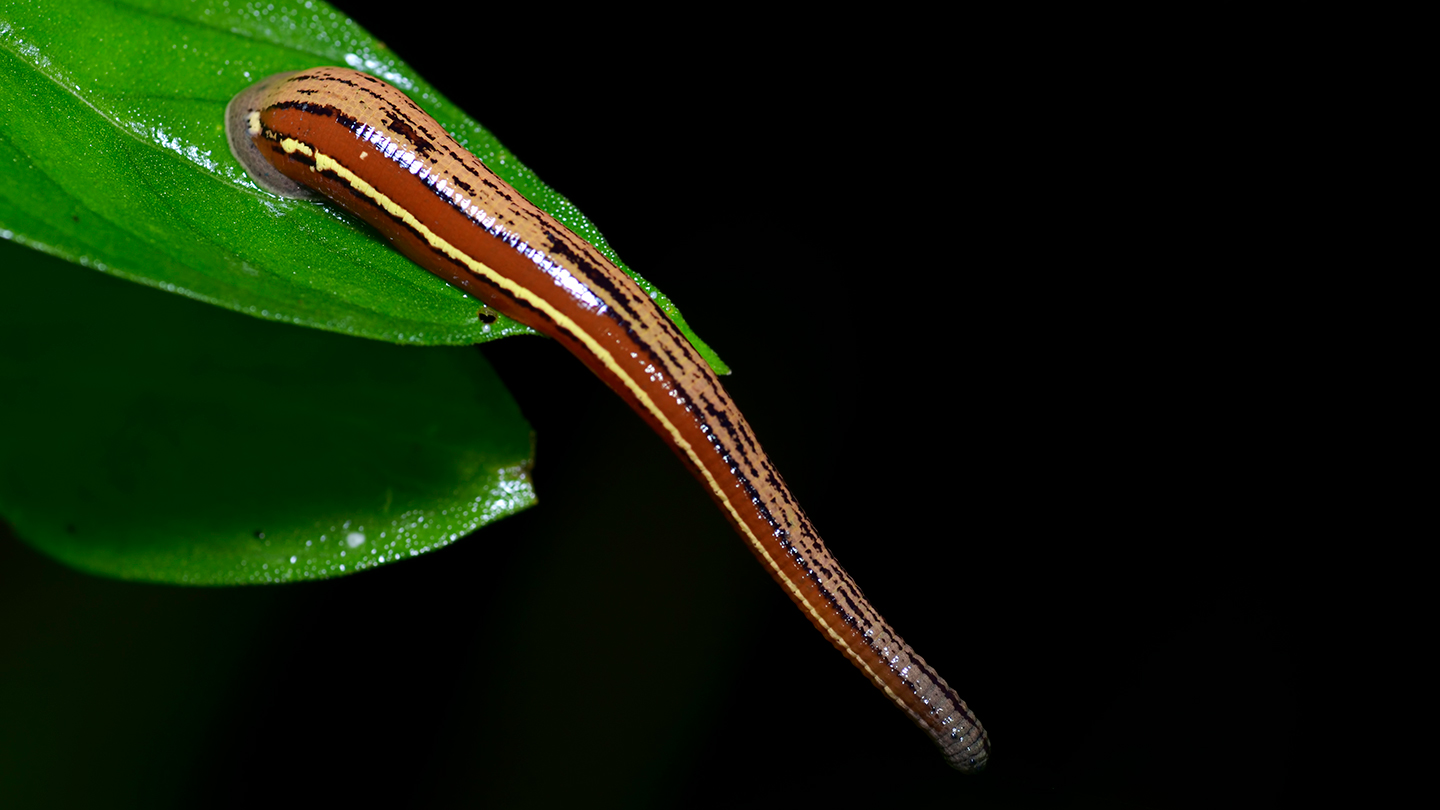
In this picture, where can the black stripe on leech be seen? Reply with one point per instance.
(582, 266)
(331, 77)
(327, 77)
(462, 185)
(310, 107)
(406, 130)
(690, 360)
(738, 438)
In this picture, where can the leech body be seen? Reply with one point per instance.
(348, 137)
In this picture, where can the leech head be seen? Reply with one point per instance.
(245, 131)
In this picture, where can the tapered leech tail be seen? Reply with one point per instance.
(336, 134)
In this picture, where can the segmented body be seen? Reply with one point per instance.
(353, 139)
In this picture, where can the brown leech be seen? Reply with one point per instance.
(337, 134)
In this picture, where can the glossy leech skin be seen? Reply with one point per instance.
(337, 134)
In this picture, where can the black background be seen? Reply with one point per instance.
(970, 284)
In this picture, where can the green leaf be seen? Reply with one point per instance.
(113, 155)
(150, 437)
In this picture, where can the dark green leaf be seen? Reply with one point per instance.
(149, 437)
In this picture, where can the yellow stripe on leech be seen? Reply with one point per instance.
(324, 162)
